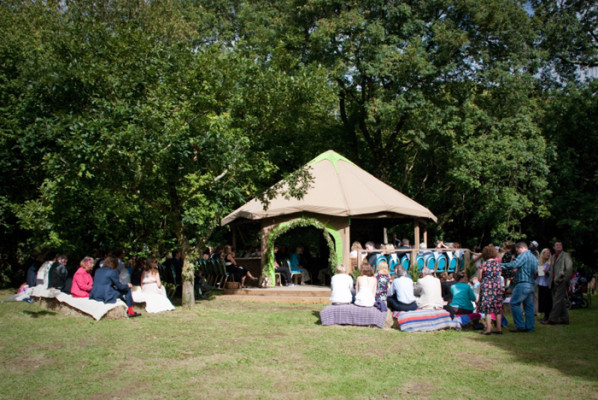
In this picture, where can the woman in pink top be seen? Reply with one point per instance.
(82, 280)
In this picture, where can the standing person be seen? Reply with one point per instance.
(544, 294)
(491, 291)
(526, 266)
(82, 280)
(560, 275)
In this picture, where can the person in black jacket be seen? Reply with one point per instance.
(58, 273)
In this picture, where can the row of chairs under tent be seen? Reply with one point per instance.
(438, 262)
(214, 272)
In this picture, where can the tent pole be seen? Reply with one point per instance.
(416, 240)
(385, 235)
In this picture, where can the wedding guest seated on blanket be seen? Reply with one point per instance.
(155, 294)
(150, 278)
(342, 287)
(429, 291)
(42, 272)
(463, 296)
(383, 281)
(366, 287)
(107, 288)
(400, 295)
(82, 280)
(58, 273)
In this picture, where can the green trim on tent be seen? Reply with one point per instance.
(331, 156)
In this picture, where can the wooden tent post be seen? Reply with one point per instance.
(426, 235)
(416, 240)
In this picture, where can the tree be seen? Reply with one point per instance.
(152, 141)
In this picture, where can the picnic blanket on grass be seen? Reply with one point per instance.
(425, 320)
(350, 314)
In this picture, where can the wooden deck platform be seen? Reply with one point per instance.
(298, 294)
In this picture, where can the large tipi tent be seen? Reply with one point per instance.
(339, 190)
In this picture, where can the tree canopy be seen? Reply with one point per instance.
(138, 124)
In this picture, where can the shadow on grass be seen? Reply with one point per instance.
(570, 349)
(317, 315)
(38, 314)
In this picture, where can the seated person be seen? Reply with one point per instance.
(429, 291)
(463, 296)
(296, 264)
(32, 270)
(400, 295)
(366, 287)
(342, 286)
(383, 280)
(107, 288)
(150, 278)
(137, 271)
(446, 281)
(372, 254)
(283, 270)
(239, 273)
(42, 272)
(82, 280)
(58, 273)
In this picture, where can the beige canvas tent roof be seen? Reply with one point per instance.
(339, 188)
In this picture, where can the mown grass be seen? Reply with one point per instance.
(228, 350)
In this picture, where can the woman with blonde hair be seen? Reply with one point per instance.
(383, 281)
(342, 286)
(544, 293)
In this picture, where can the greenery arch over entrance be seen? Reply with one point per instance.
(335, 247)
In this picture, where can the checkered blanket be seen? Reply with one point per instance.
(425, 320)
(350, 314)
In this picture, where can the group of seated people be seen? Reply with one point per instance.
(455, 294)
(104, 280)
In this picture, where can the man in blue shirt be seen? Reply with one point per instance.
(527, 267)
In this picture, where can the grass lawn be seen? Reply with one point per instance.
(228, 350)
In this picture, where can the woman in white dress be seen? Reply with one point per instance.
(366, 287)
(152, 289)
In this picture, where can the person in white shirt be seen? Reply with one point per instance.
(342, 286)
(429, 291)
(400, 295)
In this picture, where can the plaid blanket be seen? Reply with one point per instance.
(351, 314)
(425, 320)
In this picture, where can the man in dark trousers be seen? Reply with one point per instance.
(560, 275)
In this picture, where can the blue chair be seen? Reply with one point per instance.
(441, 263)
(405, 263)
(430, 261)
(452, 263)
(419, 261)
(393, 262)
(295, 273)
